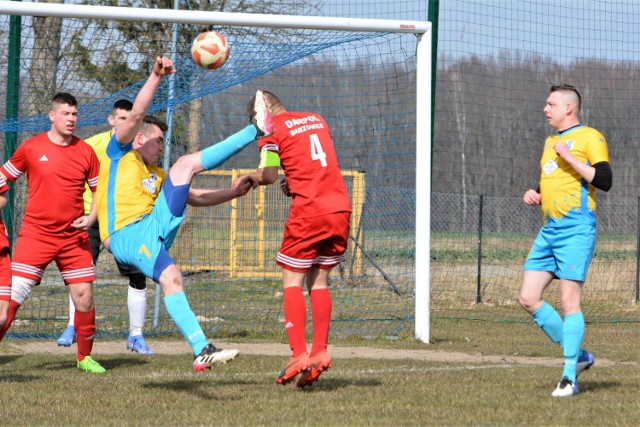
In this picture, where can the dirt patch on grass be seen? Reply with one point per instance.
(282, 350)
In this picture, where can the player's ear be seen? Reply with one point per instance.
(569, 108)
(138, 141)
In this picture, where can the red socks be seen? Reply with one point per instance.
(321, 314)
(295, 314)
(13, 308)
(85, 324)
(295, 319)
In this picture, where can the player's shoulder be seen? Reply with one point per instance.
(590, 136)
(298, 115)
(80, 143)
(594, 132)
(36, 139)
(99, 138)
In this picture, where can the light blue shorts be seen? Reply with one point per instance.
(144, 244)
(566, 252)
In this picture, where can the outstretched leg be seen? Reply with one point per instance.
(175, 300)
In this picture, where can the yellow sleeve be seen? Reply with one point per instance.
(598, 150)
(268, 159)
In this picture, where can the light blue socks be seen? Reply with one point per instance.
(573, 332)
(550, 322)
(217, 154)
(181, 313)
(567, 334)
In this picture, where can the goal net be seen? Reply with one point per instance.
(363, 81)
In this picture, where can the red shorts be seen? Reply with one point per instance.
(5, 275)
(71, 254)
(314, 242)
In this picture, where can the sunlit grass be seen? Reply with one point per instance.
(367, 390)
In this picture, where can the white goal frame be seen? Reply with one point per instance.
(423, 32)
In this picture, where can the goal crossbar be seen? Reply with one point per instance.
(212, 18)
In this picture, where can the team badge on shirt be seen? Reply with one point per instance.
(150, 183)
(550, 166)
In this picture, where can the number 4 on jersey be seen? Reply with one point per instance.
(317, 153)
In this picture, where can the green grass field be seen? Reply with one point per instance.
(452, 381)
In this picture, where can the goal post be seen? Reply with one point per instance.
(371, 78)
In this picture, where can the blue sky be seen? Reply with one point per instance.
(564, 29)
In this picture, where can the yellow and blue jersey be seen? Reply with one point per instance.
(567, 198)
(127, 188)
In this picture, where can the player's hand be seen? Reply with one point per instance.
(244, 184)
(81, 223)
(532, 198)
(284, 186)
(241, 180)
(562, 149)
(163, 66)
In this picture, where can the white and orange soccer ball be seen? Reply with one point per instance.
(210, 50)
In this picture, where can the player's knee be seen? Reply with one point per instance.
(527, 302)
(21, 289)
(171, 280)
(82, 299)
(186, 165)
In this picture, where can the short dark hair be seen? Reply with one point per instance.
(149, 121)
(122, 104)
(64, 98)
(567, 88)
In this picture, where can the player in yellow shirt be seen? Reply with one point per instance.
(575, 162)
(137, 291)
(140, 208)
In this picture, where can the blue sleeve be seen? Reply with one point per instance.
(115, 150)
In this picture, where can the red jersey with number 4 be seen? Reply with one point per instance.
(56, 175)
(305, 147)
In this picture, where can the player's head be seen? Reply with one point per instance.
(119, 112)
(149, 141)
(563, 106)
(569, 95)
(62, 98)
(63, 113)
(274, 104)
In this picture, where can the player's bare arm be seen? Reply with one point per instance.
(199, 197)
(263, 176)
(86, 221)
(3, 199)
(127, 130)
(585, 171)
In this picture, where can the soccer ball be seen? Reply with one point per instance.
(210, 50)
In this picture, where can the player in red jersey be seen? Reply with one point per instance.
(316, 232)
(54, 227)
(5, 260)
